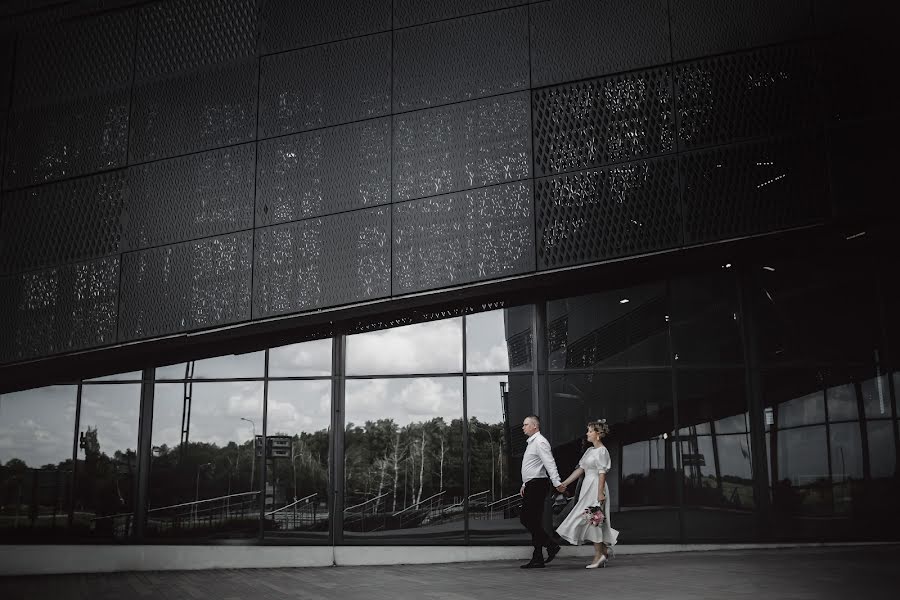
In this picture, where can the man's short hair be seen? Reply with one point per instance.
(536, 419)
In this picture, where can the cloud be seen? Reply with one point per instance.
(423, 348)
(404, 400)
(495, 359)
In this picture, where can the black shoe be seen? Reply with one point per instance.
(552, 551)
(533, 564)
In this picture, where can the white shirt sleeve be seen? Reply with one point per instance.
(547, 459)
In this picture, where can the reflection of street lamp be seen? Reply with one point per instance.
(197, 490)
(252, 450)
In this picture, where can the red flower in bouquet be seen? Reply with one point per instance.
(593, 515)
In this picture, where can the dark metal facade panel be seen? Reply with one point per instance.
(467, 145)
(191, 197)
(578, 39)
(461, 59)
(76, 59)
(463, 237)
(703, 27)
(199, 111)
(325, 85)
(606, 213)
(322, 262)
(744, 189)
(183, 35)
(76, 137)
(61, 223)
(416, 12)
(62, 309)
(289, 24)
(613, 119)
(324, 171)
(187, 286)
(740, 96)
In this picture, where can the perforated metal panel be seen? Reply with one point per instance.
(182, 35)
(58, 310)
(461, 59)
(289, 24)
(322, 262)
(75, 59)
(184, 287)
(702, 27)
(605, 213)
(578, 39)
(415, 12)
(191, 197)
(208, 109)
(464, 237)
(751, 188)
(325, 85)
(595, 122)
(324, 171)
(466, 145)
(61, 223)
(745, 95)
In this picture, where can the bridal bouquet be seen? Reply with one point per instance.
(593, 515)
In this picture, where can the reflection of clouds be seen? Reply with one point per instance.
(299, 406)
(404, 400)
(495, 358)
(113, 411)
(37, 425)
(298, 360)
(434, 347)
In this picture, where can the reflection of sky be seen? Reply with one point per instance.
(434, 347)
(37, 425)
(486, 342)
(404, 400)
(113, 411)
(299, 406)
(306, 359)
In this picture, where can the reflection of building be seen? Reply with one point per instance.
(679, 232)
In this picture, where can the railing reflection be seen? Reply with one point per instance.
(301, 515)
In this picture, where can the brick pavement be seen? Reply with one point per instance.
(847, 573)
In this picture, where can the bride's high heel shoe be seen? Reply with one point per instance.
(598, 564)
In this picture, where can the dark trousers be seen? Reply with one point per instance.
(532, 515)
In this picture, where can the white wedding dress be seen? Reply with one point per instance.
(574, 529)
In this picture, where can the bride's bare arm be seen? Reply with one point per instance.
(574, 476)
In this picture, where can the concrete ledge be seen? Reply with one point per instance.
(58, 559)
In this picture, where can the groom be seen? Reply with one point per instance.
(537, 465)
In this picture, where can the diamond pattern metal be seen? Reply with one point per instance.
(325, 85)
(186, 198)
(205, 110)
(605, 213)
(288, 24)
(182, 35)
(579, 39)
(62, 309)
(322, 262)
(185, 287)
(75, 59)
(461, 59)
(746, 95)
(324, 172)
(66, 140)
(462, 146)
(463, 237)
(415, 12)
(751, 188)
(61, 223)
(590, 123)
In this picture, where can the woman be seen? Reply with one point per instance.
(594, 465)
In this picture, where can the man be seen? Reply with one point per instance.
(537, 466)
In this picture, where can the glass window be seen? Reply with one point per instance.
(306, 359)
(882, 457)
(204, 475)
(638, 409)
(704, 320)
(846, 465)
(496, 407)
(617, 328)
(800, 472)
(107, 458)
(876, 394)
(403, 470)
(434, 347)
(36, 431)
(130, 376)
(796, 397)
(229, 366)
(299, 419)
(499, 340)
(842, 403)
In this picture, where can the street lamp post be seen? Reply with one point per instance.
(252, 450)
(197, 492)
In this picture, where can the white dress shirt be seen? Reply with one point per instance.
(538, 460)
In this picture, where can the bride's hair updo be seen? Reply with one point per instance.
(600, 427)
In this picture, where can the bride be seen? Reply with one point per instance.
(594, 464)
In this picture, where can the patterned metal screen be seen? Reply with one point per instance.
(180, 165)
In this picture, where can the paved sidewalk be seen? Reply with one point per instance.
(848, 573)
